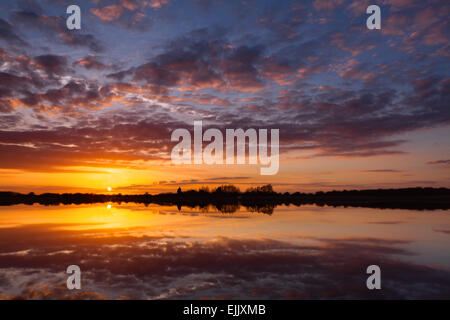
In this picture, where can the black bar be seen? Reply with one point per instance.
(234, 309)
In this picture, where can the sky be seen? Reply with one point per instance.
(84, 110)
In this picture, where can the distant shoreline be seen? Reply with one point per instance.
(261, 199)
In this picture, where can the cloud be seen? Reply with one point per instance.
(11, 81)
(82, 40)
(386, 222)
(158, 3)
(90, 62)
(383, 170)
(54, 28)
(240, 68)
(108, 13)
(442, 231)
(445, 162)
(89, 145)
(51, 64)
(7, 34)
(199, 61)
(327, 5)
(339, 91)
(130, 14)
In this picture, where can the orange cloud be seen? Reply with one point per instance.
(108, 13)
(321, 5)
(158, 3)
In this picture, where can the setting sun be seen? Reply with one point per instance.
(109, 188)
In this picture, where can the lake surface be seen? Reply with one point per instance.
(159, 252)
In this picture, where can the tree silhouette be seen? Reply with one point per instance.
(228, 198)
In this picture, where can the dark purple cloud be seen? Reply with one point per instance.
(330, 86)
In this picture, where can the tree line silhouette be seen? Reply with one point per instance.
(229, 198)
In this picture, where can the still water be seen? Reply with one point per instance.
(132, 251)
